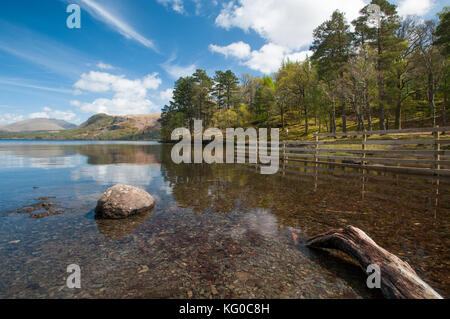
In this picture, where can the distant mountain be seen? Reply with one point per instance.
(40, 124)
(101, 127)
(104, 127)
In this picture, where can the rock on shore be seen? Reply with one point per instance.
(121, 201)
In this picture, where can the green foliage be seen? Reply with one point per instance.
(224, 118)
(332, 46)
(394, 69)
(443, 32)
(225, 89)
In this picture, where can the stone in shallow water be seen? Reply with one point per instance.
(121, 201)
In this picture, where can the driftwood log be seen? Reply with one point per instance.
(398, 279)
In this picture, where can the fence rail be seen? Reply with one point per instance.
(395, 153)
(386, 132)
(390, 150)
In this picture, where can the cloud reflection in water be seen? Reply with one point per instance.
(141, 175)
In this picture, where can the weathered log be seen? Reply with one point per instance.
(398, 279)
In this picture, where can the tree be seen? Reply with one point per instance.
(442, 34)
(332, 49)
(444, 89)
(427, 57)
(443, 42)
(402, 72)
(249, 87)
(382, 36)
(359, 78)
(265, 97)
(202, 96)
(181, 110)
(297, 88)
(226, 89)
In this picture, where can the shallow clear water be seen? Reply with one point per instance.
(216, 231)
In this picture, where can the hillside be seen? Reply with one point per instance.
(39, 124)
(102, 127)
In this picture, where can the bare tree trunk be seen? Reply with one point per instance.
(380, 83)
(444, 110)
(344, 116)
(398, 113)
(380, 102)
(357, 111)
(367, 107)
(444, 105)
(398, 279)
(306, 121)
(361, 117)
(333, 118)
(431, 96)
(361, 124)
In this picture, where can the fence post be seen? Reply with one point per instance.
(437, 149)
(316, 162)
(363, 148)
(316, 154)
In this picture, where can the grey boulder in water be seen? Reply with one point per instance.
(121, 201)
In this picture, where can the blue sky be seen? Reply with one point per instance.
(127, 54)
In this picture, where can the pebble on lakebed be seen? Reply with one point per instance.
(121, 201)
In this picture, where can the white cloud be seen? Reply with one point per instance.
(176, 5)
(176, 71)
(21, 83)
(166, 95)
(129, 96)
(75, 103)
(49, 113)
(102, 82)
(119, 106)
(299, 56)
(7, 118)
(123, 28)
(265, 60)
(287, 23)
(104, 66)
(240, 50)
(414, 7)
(287, 26)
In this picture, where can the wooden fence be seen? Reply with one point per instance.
(382, 155)
(413, 151)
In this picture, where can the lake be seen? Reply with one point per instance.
(217, 231)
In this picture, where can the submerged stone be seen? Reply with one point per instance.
(121, 201)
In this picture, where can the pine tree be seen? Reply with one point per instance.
(202, 96)
(332, 47)
(442, 32)
(226, 89)
(382, 36)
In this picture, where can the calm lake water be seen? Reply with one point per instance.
(216, 231)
